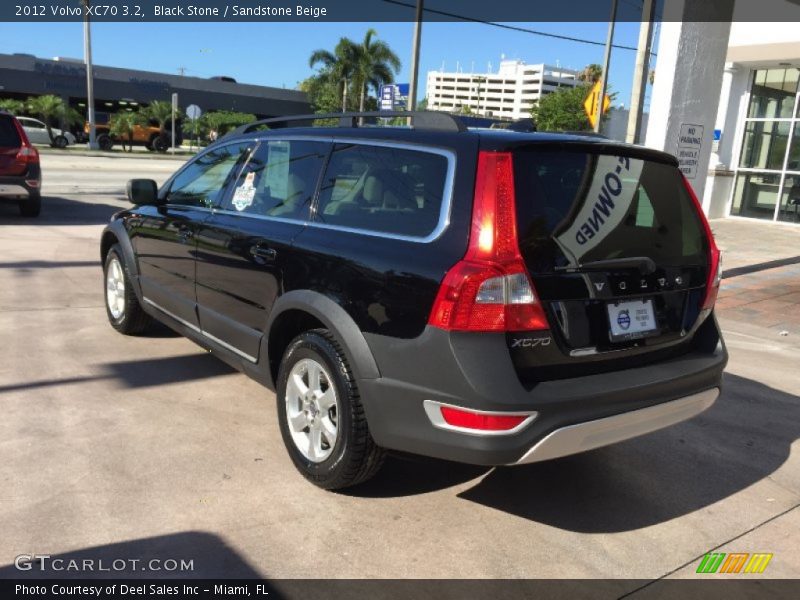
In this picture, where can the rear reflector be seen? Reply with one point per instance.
(714, 276)
(481, 422)
(489, 289)
(456, 418)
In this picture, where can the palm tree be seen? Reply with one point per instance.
(49, 107)
(375, 65)
(338, 66)
(160, 111)
(123, 125)
(15, 107)
(591, 73)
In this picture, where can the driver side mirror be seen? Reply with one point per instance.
(143, 192)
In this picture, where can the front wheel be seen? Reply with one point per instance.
(122, 306)
(320, 413)
(60, 141)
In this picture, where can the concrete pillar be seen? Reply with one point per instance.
(692, 47)
(732, 105)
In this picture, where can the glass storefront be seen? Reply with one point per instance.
(768, 176)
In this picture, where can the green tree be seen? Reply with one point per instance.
(15, 107)
(562, 110)
(50, 107)
(591, 73)
(160, 111)
(375, 65)
(123, 125)
(337, 67)
(222, 121)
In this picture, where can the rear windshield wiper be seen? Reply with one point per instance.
(645, 265)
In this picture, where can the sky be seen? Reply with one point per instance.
(276, 54)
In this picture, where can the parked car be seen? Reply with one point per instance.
(485, 296)
(148, 135)
(20, 174)
(36, 131)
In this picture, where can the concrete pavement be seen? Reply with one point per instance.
(120, 446)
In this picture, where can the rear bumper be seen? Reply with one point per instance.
(474, 371)
(19, 186)
(580, 437)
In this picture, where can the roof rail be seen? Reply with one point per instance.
(426, 120)
(525, 125)
(593, 134)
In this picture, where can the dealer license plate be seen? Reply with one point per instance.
(631, 319)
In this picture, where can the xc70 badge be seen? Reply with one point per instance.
(530, 342)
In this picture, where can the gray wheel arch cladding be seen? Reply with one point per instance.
(336, 320)
(117, 230)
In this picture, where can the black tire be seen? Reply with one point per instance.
(151, 143)
(60, 141)
(161, 143)
(133, 319)
(105, 142)
(355, 457)
(31, 206)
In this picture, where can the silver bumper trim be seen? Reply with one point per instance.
(580, 437)
(13, 191)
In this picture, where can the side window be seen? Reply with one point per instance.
(383, 189)
(279, 180)
(202, 181)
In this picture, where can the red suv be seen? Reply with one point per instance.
(20, 174)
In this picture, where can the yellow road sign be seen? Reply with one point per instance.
(592, 104)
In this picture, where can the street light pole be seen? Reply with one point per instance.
(87, 57)
(606, 65)
(412, 88)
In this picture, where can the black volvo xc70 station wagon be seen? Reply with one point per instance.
(486, 296)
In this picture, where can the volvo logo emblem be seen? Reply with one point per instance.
(599, 285)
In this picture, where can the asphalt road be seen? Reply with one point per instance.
(147, 447)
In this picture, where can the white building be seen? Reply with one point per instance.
(754, 170)
(509, 93)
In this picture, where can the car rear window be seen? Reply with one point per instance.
(579, 207)
(383, 189)
(9, 137)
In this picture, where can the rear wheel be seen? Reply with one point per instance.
(105, 142)
(161, 143)
(31, 206)
(320, 413)
(122, 306)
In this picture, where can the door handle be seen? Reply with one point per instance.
(264, 252)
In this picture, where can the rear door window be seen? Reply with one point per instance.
(9, 137)
(579, 207)
(383, 189)
(279, 180)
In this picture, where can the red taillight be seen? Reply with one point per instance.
(465, 419)
(27, 155)
(714, 255)
(489, 289)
